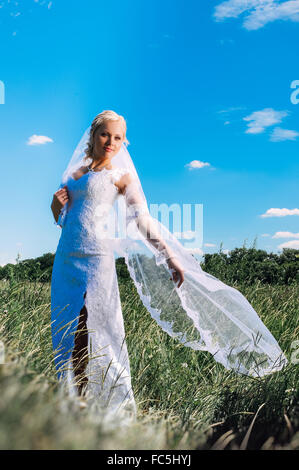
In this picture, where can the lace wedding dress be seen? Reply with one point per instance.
(204, 313)
(84, 273)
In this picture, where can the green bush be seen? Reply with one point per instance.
(238, 266)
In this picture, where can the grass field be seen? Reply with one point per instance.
(186, 400)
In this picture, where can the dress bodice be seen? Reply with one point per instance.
(87, 213)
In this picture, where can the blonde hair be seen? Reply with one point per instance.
(100, 119)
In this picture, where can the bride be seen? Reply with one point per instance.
(192, 306)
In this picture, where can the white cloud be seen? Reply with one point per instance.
(259, 120)
(196, 164)
(258, 12)
(232, 109)
(275, 212)
(291, 244)
(195, 251)
(285, 235)
(187, 235)
(280, 134)
(226, 114)
(209, 244)
(38, 140)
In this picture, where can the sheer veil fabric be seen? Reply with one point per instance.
(203, 313)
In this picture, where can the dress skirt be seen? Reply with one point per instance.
(91, 279)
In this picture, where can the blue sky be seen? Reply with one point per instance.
(205, 88)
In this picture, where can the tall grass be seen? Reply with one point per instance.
(185, 399)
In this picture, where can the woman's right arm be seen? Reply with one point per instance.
(60, 198)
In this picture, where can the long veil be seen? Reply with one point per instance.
(203, 313)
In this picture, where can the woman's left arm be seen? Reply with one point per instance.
(146, 225)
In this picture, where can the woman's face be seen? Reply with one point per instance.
(108, 139)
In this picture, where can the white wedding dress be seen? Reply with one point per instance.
(85, 263)
(204, 313)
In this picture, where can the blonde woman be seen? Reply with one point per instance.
(192, 306)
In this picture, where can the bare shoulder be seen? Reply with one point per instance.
(80, 172)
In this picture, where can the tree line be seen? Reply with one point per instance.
(238, 265)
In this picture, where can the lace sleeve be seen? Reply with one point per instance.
(146, 224)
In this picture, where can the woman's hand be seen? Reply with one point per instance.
(178, 272)
(60, 198)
